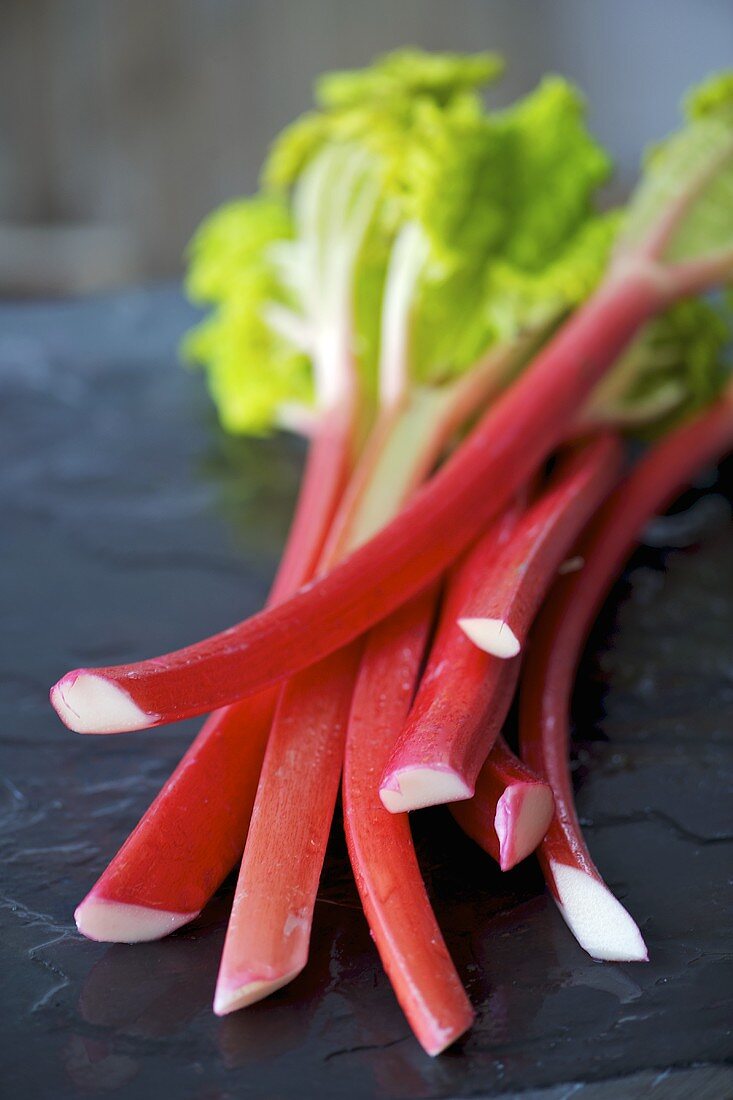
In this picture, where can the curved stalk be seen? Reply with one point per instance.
(387, 874)
(507, 446)
(599, 922)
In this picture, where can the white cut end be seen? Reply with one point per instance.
(231, 996)
(596, 918)
(117, 922)
(494, 636)
(416, 788)
(90, 704)
(440, 1038)
(523, 816)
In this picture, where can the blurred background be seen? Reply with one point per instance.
(122, 122)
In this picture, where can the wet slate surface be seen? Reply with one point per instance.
(131, 525)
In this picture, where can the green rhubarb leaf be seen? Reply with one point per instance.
(315, 245)
(689, 179)
(712, 98)
(518, 299)
(231, 243)
(292, 149)
(251, 370)
(506, 202)
(375, 107)
(503, 203)
(676, 366)
(381, 118)
(408, 73)
(557, 169)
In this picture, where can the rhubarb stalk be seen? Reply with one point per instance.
(598, 921)
(510, 811)
(269, 928)
(438, 750)
(396, 905)
(465, 693)
(191, 836)
(521, 574)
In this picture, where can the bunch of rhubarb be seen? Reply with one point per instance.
(428, 291)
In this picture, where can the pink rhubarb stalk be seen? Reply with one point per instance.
(598, 921)
(269, 929)
(466, 693)
(511, 810)
(510, 442)
(192, 835)
(390, 885)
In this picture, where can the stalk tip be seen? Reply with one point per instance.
(87, 703)
(439, 1039)
(596, 918)
(413, 788)
(235, 993)
(110, 921)
(493, 636)
(523, 816)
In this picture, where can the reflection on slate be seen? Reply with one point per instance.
(130, 526)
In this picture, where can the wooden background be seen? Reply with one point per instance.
(123, 121)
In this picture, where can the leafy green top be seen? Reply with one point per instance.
(403, 204)
(408, 73)
(676, 366)
(251, 369)
(683, 208)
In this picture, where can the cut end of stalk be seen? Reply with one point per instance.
(117, 922)
(440, 1038)
(493, 636)
(596, 918)
(418, 787)
(88, 703)
(523, 816)
(235, 993)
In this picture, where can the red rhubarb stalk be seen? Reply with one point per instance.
(329, 465)
(194, 832)
(396, 905)
(466, 693)
(192, 835)
(510, 442)
(526, 567)
(269, 929)
(461, 691)
(599, 922)
(180, 852)
(511, 810)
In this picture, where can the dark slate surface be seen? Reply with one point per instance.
(131, 525)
